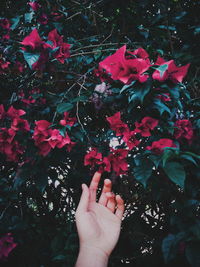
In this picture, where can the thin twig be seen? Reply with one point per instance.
(78, 13)
(92, 52)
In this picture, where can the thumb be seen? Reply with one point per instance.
(84, 200)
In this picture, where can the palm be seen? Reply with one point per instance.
(99, 224)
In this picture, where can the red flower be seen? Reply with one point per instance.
(93, 157)
(125, 70)
(6, 135)
(15, 113)
(63, 52)
(6, 245)
(173, 73)
(118, 160)
(103, 75)
(4, 66)
(105, 165)
(43, 19)
(164, 97)
(145, 126)
(13, 151)
(67, 120)
(34, 5)
(19, 67)
(20, 124)
(131, 140)
(55, 38)
(5, 24)
(157, 147)
(33, 40)
(184, 130)
(117, 125)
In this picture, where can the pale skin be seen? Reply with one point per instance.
(98, 223)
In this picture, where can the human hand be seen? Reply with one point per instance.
(99, 223)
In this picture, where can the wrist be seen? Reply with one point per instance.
(90, 256)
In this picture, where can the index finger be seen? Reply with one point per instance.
(94, 185)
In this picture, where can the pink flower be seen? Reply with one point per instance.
(19, 66)
(6, 245)
(125, 70)
(145, 126)
(6, 135)
(5, 24)
(68, 120)
(33, 40)
(172, 72)
(34, 5)
(105, 165)
(93, 157)
(4, 66)
(164, 97)
(157, 147)
(57, 41)
(131, 140)
(19, 124)
(118, 160)
(183, 130)
(117, 125)
(43, 19)
(15, 113)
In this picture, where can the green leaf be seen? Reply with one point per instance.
(189, 158)
(127, 87)
(162, 69)
(168, 248)
(160, 106)
(15, 22)
(143, 171)
(155, 159)
(28, 17)
(62, 107)
(167, 154)
(175, 172)
(30, 58)
(140, 93)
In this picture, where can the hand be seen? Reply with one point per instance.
(99, 223)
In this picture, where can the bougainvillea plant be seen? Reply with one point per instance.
(75, 100)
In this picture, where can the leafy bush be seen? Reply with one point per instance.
(99, 85)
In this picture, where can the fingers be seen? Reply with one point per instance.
(120, 207)
(94, 185)
(84, 200)
(107, 188)
(111, 204)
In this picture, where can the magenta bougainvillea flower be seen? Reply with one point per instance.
(4, 66)
(6, 245)
(130, 139)
(68, 120)
(46, 138)
(164, 97)
(34, 5)
(157, 147)
(36, 44)
(105, 165)
(125, 69)
(2, 112)
(172, 72)
(15, 113)
(93, 157)
(117, 125)
(145, 126)
(183, 130)
(117, 157)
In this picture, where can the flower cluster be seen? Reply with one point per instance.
(8, 145)
(6, 245)
(183, 130)
(115, 161)
(55, 45)
(47, 138)
(127, 66)
(34, 97)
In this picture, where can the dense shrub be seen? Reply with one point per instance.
(99, 85)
